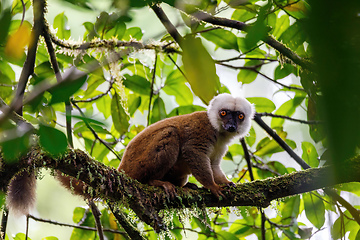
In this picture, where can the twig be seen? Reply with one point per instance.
(246, 58)
(247, 158)
(152, 89)
(73, 226)
(111, 44)
(96, 97)
(23, 12)
(121, 218)
(96, 213)
(354, 212)
(28, 68)
(203, 16)
(281, 142)
(177, 66)
(4, 221)
(167, 23)
(106, 144)
(277, 82)
(288, 118)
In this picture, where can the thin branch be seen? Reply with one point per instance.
(73, 226)
(281, 142)
(288, 118)
(55, 65)
(28, 68)
(171, 29)
(177, 66)
(206, 17)
(277, 82)
(121, 218)
(254, 69)
(354, 212)
(96, 97)
(245, 58)
(4, 221)
(152, 89)
(111, 44)
(96, 213)
(23, 12)
(106, 144)
(247, 158)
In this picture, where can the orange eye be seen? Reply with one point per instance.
(223, 113)
(241, 116)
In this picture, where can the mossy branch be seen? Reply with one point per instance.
(109, 184)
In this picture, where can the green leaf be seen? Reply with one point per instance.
(49, 238)
(290, 209)
(158, 111)
(5, 92)
(283, 71)
(357, 237)
(247, 76)
(262, 104)
(342, 225)
(103, 105)
(282, 24)
(175, 86)
(137, 84)
(5, 19)
(287, 109)
(243, 15)
(259, 30)
(118, 30)
(222, 38)
(314, 209)
(21, 236)
(200, 69)
(236, 150)
(88, 120)
(119, 116)
(294, 36)
(251, 137)
(61, 24)
(353, 187)
(80, 215)
(52, 140)
(241, 228)
(17, 6)
(226, 235)
(310, 154)
(133, 33)
(15, 144)
(63, 91)
(269, 146)
(134, 103)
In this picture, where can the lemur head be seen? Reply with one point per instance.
(231, 114)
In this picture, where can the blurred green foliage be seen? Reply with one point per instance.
(147, 84)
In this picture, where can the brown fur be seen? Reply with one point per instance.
(165, 153)
(21, 194)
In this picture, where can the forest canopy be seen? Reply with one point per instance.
(80, 79)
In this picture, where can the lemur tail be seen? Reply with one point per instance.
(21, 194)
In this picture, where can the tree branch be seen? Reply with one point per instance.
(206, 17)
(107, 183)
(171, 29)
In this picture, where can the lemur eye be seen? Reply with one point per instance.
(241, 116)
(223, 113)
